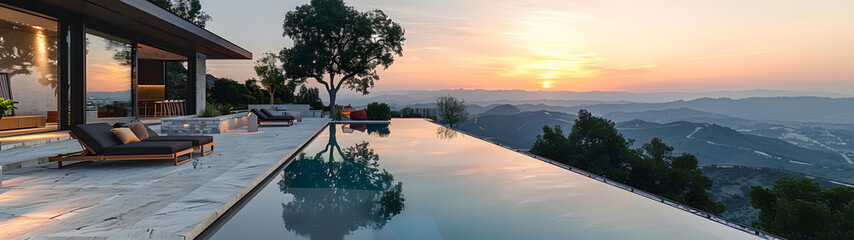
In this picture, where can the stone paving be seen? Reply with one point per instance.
(140, 199)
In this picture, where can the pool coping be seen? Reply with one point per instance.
(709, 216)
(201, 228)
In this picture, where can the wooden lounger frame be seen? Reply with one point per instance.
(203, 146)
(289, 122)
(88, 155)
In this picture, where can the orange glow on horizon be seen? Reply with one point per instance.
(635, 46)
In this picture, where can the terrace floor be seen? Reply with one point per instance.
(140, 199)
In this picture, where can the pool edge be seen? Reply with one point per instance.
(709, 216)
(222, 211)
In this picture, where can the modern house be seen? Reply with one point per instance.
(84, 61)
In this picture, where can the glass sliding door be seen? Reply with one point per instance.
(162, 78)
(109, 79)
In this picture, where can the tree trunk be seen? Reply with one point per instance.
(271, 97)
(333, 112)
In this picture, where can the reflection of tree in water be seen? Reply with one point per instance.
(380, 130)
(446, 133)
(24, 49)
(333, 198)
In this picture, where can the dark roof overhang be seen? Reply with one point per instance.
(139, 21)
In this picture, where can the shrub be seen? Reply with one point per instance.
(6, 105)
(310, 96)
(224, 108)
(210, 111)
(338, 115)
(378, 111)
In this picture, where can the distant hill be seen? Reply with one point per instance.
(825, 137)
(711, 143)
(731, 185)
(518, 130)
(118, 95)
(715, 144)
(685, 114)
(505, 109)
(560, 98)
(800, 109)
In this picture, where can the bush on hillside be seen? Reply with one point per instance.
(378, 111)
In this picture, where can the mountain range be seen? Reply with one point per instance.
(734, 152)
(799, 109)
(561, 98)
(710, 142)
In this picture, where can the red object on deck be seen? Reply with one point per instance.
(359, 115)
(346, 110)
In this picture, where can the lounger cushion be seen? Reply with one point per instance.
(97, 136)
(148, 148)
(274, 117)
(139, 130)
(125, 135)
(197, 140)
(359, 115)
(151, 133)
(261, 115)
(268, 113)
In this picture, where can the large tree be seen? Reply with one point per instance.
(272, 76)
(339, 46)
(451, 110)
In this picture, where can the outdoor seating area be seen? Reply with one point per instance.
(162, 108)
(131, 194)
(101, 143)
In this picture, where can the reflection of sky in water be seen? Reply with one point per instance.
(103, 73)
(464, 188)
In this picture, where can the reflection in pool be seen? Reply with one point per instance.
(351, 182)
(333, 197)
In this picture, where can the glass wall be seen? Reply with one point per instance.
(162, 75)
(29, 52)
(109, 78)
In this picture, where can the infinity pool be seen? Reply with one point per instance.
(415, 180)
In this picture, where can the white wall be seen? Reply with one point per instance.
(32, 97)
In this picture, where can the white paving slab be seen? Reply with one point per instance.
(141, 199)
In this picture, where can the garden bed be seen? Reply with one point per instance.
(203, 125)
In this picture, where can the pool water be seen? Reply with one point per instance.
(413, 179)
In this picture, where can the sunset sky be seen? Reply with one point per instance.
(586, 45)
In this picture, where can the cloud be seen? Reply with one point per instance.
(735, 52)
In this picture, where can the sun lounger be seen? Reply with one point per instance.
(265, 116)
(99, 144)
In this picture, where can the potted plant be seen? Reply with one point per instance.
(6, 105)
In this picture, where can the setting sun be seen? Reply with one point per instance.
(595, 45)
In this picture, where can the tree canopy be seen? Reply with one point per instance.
(310, 96)
(801, 209)
(190, 10)
(451, 110)
(595, 145)
(339, 46)
(272, 76)
(352, 190)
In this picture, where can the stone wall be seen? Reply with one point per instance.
(200, 125)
